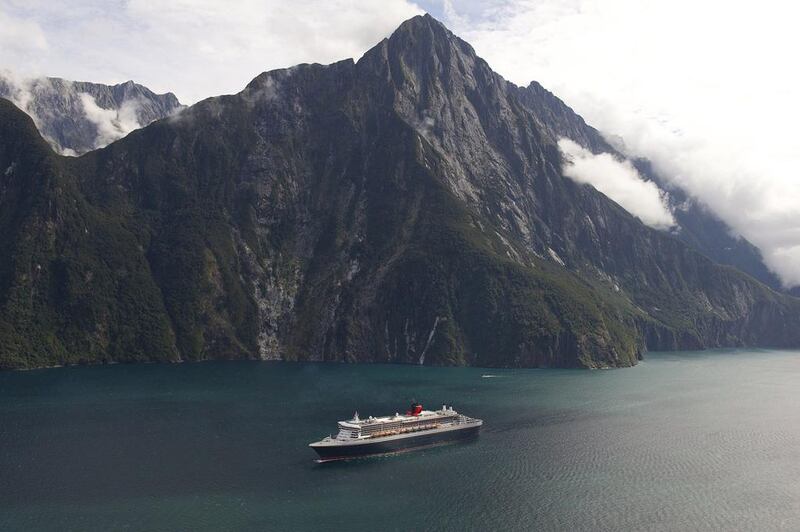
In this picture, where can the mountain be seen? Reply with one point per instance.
(704, 231)
(697, 226)
(409, 207)
(77, 116)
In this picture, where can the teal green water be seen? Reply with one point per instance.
(701, 441)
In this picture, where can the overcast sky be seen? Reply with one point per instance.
(706, 89)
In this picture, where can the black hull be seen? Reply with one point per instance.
(343, 452)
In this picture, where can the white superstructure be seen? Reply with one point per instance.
(377, 427)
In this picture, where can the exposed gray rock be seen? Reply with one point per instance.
(77, 116)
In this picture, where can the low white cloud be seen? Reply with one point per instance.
(618, 180)
(111, 124)
(425, 125)
(20, 91)
(18, 88)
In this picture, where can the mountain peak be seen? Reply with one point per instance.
(420, 22)
(425, 29)
(420, 51)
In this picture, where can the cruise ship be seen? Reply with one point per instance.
(379, 435)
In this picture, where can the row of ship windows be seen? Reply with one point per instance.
(368, 429)
(394, 425)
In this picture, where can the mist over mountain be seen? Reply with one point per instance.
(77, 116)
(687, 218)
(410, 207)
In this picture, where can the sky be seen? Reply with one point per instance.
(706, 89)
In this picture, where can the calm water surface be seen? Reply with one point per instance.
(683, 441)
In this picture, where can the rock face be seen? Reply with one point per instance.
(409, 207)
(76, 116)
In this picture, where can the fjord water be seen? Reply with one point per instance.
(683, 441)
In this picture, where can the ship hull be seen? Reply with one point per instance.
(394, 444)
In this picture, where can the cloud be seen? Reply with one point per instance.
(197, 48)
(618, 180)
(20, 36)
(111, 124)
(705, 90)
(20, 91)
(425, 125)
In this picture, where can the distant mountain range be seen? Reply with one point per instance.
(409, 207)
(76, 116)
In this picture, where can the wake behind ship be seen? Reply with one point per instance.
(379, 435)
